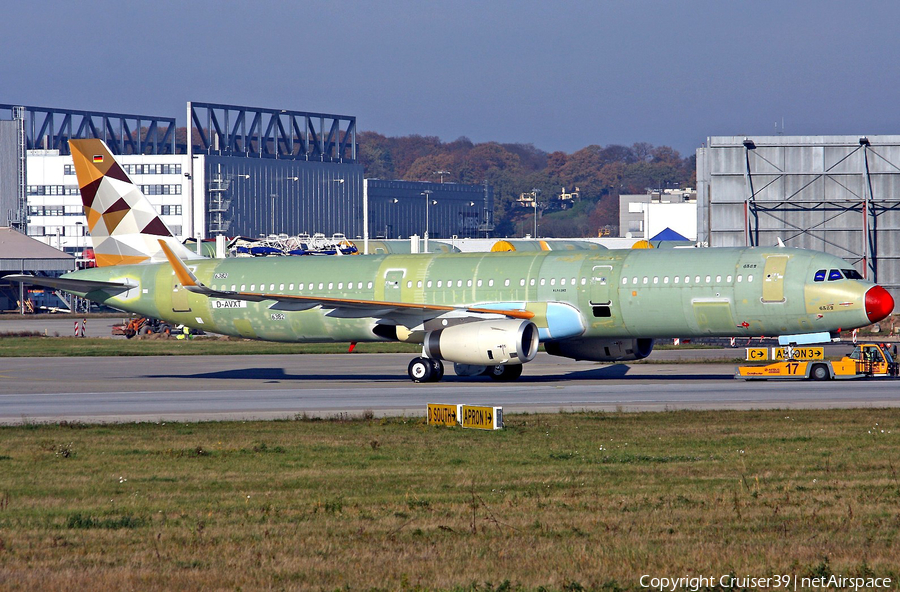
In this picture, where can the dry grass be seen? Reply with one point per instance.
(563, 501)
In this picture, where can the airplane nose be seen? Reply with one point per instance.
(879, 303)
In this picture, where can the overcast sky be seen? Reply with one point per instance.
(560, 75)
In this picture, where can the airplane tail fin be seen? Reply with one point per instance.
(124, 226)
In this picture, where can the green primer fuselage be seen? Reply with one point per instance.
(618, 294)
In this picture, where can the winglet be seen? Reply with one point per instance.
(184, 275)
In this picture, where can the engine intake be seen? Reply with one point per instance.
(597, 349)
(484, 343)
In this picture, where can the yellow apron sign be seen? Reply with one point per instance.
(755, 354)
(482, 418)
(800, 353)
(439, 414)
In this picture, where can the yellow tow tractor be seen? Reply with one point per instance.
(866, 360)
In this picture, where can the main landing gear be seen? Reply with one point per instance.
(428, 370)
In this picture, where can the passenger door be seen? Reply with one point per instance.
(773, 278)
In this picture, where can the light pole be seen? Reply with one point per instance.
(274, 196)
(428, 202)
(534, 193)
(442, 173)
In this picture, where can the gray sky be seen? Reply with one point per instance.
(560, 75)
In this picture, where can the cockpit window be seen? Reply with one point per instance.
(834, 274)
(852, 274)
(820, 275)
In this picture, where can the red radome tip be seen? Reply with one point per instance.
(879, 303)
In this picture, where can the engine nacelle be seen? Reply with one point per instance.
(598, 349)
(484, 343)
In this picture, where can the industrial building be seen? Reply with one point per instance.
(246, 171)
(645, 215)
(838, 194)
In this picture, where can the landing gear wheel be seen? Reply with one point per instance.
(438, 370)
(819, 372)
(505, 373)
(421, 370)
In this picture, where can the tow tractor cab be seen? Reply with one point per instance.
(874, 360)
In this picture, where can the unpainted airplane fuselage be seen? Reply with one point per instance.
(615, 294)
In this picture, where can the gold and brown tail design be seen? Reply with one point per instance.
(124, 226)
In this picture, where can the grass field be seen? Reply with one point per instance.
(562, 501)
(36, 346)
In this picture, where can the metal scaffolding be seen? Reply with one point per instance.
(230, 130)
(50, 129)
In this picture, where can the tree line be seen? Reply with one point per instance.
(600, 174)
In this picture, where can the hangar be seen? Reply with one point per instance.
(838, 194)
(245, 171)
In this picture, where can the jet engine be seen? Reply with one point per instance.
(598, 349)
(484, 343)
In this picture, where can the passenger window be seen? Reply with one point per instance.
(852, 274)
(634, 280)
(749, 278)
(281, 287)
(440, 283)
(687, 279)
(655, 279)
(697, 279)
(624, 281)
(562, 282)
(645, 280)
(469, 283)
(253, 287)
(506, 282)
(522, 282)
(341, 285)
(271, 287)
(675, 279)
(291, 287)
(708, 279)
(419, 284)
(728, 280)
(331, 285)
(243, 287)
(429, 283)
(583, 281)
(479, 283)
(370, 285)
(834, 275)
(553, 281)
(666, 280)
(820, 276)
(490, 283)
(233, 288)
(321, 285)
(543, 281)
(740, 278)
(459, 283)
(408, 285)
(532, 281)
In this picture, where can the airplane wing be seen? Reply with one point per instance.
(342, 307)
(71, 285)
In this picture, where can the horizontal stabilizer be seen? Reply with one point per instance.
(72, 285)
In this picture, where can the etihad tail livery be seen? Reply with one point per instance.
(486, 312)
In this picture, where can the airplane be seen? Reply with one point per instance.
(484, 312)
